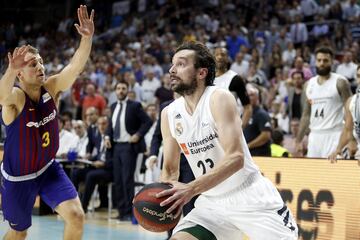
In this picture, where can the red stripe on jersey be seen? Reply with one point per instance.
(34, 146)
(21, 137)
(27, 146)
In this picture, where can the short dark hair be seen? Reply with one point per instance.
(203, 59)
(122, 82)
(277, 136)
(297, 72)
(325, 50)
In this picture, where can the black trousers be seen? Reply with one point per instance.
(124, 163)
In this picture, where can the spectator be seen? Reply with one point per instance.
(149, 86)
(99, 172)
(93, 99)
(258, 132)
(80, 131)
(277, 146)
(296, 98)
(164, 93)
(299, 67)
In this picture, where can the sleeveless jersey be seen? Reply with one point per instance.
(32, 139)
(198, 139)
(224, 82)
(327, 111)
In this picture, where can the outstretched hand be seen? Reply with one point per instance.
(17, 59)
(86, 27)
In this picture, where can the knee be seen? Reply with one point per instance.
(76, 216)
(12, 234)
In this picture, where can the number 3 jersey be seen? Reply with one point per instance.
(197, 136)
(32, 139)
(327, 111)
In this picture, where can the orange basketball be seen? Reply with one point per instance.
(148, 212)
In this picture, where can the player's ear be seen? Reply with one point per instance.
(203, 73)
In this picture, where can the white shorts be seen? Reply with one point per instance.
(322, 144)
(256, 211)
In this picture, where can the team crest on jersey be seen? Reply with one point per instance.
(46, 97)
(178, 129)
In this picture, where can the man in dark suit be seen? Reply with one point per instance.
(128, 126)
(100, 172)
(92, 116)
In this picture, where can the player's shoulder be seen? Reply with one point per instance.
(220, 93)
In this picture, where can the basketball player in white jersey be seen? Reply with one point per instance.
(326, 95)
(204, 124)
(230, 80)
(351, 131)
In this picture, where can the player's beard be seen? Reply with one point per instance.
(323, 71)
(184, 88)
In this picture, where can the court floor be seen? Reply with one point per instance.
(96, 227)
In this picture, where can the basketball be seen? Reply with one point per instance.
(148, 212)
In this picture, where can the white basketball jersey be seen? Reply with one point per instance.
(327, 111)
(198, 139)
(224, 82)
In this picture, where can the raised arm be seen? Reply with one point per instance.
(68, 75)
(171, 150)
(8, 94)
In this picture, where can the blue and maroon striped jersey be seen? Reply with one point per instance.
(32, 139)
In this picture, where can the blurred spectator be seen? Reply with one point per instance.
(258, 132)
(277, 146)
(164, 93)
(234, 42)
(67, 141)
(99, 172)
(288, 55)
(347, 68)
(240, 66)
(92, 115)
(290, 139)
(149, 86)
(80, 131)
(352, 11)
(93, 99)
(298, 31)
(296, 98)
(134, 86)
(300, 67)
(309, 8)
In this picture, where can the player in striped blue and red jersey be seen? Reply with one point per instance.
(29, 114)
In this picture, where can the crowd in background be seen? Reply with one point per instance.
(270, 43)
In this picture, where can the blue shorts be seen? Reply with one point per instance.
(18, 198)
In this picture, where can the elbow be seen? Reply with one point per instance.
(238, 161)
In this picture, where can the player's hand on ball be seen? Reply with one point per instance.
(179, 195)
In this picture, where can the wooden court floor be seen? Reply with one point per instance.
(97, 227)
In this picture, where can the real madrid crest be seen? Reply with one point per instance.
(178, 129)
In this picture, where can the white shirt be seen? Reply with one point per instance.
(124, 135)
(67, 141)
(347, 70)
(197, 136)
